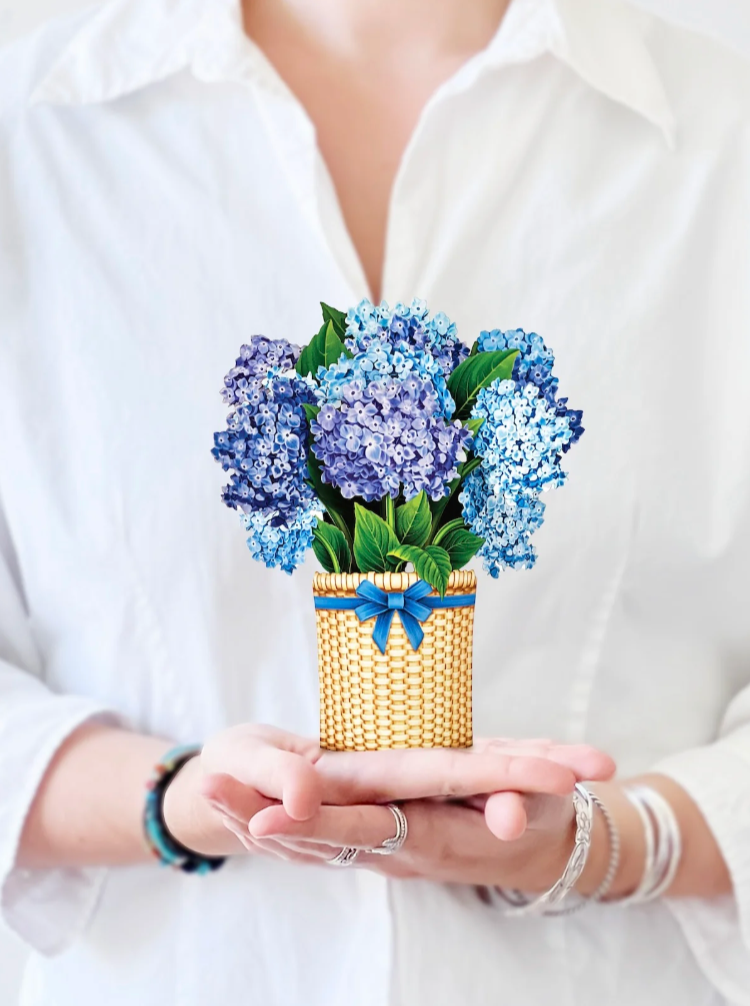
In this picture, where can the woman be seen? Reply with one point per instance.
(181, 173)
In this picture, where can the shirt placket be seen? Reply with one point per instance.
(227, 53)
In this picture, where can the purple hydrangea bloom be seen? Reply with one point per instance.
(380, 436)
(256, 360)
(265, 449)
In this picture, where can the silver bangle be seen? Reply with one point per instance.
(649, 834)
(663, 842)
(583, 805)
(612, 866)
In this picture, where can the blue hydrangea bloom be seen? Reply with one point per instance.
(256, 360)
(522, 438)
(521, 443)
(506, 519)
(534, 365)
(395, 343)
(407, 329)
(265, 448)
(381, 436)
(280, 545)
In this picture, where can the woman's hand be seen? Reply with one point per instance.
(248, 769)
(504, 839)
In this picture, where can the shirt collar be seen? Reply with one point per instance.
(128, 44)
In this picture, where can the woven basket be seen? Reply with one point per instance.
(401, 698)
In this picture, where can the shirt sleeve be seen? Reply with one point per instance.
(717, 777)
(46, 908)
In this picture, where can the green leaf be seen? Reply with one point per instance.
(478, 372)
(339, 509)
(333, 347)
(474, 425)
(432, 564)
(437, 507)
(313, 354)
(468, 466)
(331, 548)
(373, 540)
(460, 544)
(325, 348)
(413, 520)
(311, 411)
(336, 317)
(449, 504)
(474, 348)
(446, 528)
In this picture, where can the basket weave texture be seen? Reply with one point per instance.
(401, 698)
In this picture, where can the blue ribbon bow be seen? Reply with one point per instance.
(383, 605)
(413, 606)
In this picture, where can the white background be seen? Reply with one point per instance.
(725, 19)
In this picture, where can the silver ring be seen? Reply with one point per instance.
(344, 858)
(391, 845)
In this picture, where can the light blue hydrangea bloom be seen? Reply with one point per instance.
(521, 443)
(283, 545)
(506, 519)
(534, 365)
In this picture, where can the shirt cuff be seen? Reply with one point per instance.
(46, 908)
(717, 930)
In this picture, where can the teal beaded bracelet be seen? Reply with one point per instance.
(167, 850)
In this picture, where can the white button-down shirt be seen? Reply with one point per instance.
(162, 197)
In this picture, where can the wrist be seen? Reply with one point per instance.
(190, 819)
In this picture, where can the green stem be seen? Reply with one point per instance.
(390, 513)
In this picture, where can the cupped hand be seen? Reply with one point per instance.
(247, 769)
(446, 842)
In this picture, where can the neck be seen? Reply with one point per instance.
(377, 28)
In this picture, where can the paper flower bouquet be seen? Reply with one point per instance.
(397, 454)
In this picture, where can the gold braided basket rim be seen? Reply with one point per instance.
(461, 581)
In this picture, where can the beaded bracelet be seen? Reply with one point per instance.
(167, 850)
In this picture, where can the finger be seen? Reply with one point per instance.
(290, 854)
(276, 764)
(316, 850)
(548, 813)
(505, 815)
(586, 761)
(232, 797)
(511, 815)
(382, 776)
(238, 831)
(361, 826)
